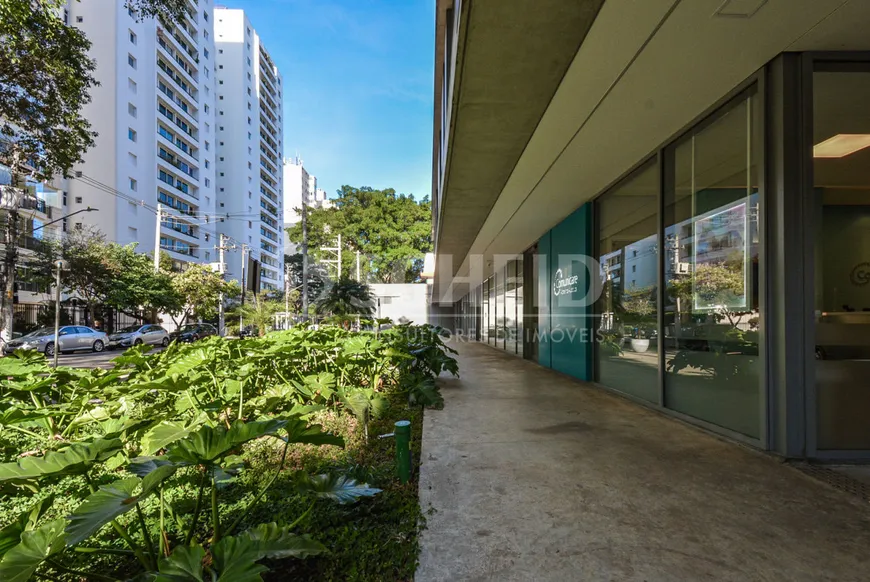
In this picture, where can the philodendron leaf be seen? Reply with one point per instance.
(274, 541)
(76, 458)
(207, 445)
(236, 557)
(142, 466)
(20, 562)
(337, 487)
(101, 507)
(299, 431)
(183, 565)
(10, 535)
(111, 501)
(164, 434)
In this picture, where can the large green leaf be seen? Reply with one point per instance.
(101, 507)
(23, 363)
(10, 535)
(13, 415)
(337, 487)
(111, 501)
(183, 565)
(207, 445)
(274, 541)
(235, 557)
(164, 434)
(142, 466)
(20, 562)
(298, 431)
(76, 458)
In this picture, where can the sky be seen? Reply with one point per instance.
(358, 87)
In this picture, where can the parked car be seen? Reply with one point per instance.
(249, 331)
(192, 332)
(139, 334)
(71, 338)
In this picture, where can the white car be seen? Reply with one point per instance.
(139, 334)
(71, 338)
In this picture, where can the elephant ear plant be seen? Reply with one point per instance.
(213, 548)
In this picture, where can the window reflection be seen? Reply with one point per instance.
(627, 353)
(711, 250)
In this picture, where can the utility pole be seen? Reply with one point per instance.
(244, 287)
(357, 268)
(221, 321)
(287, 289)
(304, 261)
(337, 250)
(157, 238)
(12, 196)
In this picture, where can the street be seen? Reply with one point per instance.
(93, 360)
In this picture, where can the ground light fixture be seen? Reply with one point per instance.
(841, 145)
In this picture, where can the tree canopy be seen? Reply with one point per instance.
(391, 231)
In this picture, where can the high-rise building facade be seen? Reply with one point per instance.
(299, 186)
(154, 113)
(249, 143)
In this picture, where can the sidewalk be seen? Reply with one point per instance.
(534, 476)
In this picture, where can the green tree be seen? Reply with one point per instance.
(199, 288)
(260, 312)
(103, 273)
(347, 297)
(317, 281)
(391, 231)
(45, 79)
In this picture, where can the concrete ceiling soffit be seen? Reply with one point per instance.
(514, 57)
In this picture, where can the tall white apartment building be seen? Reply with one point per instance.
(249, 144)
(154, 112)
(299, 186)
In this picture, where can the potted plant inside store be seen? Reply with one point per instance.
(638, 309)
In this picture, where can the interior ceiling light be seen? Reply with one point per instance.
(739, 8)
(841, 145)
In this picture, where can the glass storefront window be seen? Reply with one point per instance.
(498, 277)
(626, 311)
(841, 208)
(484, 313)
(520, 305)
(711, 267)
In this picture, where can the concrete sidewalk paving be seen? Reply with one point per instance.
(535, 476)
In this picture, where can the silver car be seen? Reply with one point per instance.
(71, 338)
(139, 334)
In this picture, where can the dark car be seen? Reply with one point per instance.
(192, 332)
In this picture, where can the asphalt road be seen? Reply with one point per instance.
(91, 359)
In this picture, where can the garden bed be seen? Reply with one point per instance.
(228, 460)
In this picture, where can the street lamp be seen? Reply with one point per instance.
(88, 209)
(61, 265)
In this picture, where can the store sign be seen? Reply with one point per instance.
(564, 285)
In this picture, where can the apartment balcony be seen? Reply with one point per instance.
(165, 136)
(268, 191)
(268, 234)
(186, 66)
(178, 185)
(188, 110)
(174, 117)
(269, 208)
(268, 124)
(272, 144)
(269, 167)
(269, 221)
(171, 201)
(167, 71)
(268, 247)
(268, 103)
(186, 231)
(179, 249)
(177, 166)
(177, 41)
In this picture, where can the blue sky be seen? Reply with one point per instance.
(358, 87)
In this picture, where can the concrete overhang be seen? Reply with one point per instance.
(645, 71)
(511, 57)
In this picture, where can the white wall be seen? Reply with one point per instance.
(402, 302)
